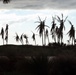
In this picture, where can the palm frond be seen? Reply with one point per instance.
(47, 26)
(70, 22)
(37, 27)
(45, 19)
(65, 19)
(62, 15)
(39, 18)
(58, 19)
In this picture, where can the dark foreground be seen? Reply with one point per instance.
(37, 60)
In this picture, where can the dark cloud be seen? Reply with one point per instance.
(40, 4)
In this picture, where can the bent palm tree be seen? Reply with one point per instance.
(71, 32)
(2, 33)
(41, 28)
(61, 21)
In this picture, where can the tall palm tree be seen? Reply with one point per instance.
(2, 34)
(21, 38)
(26, 37)
(33, 37)
(41, 28)
(71, 32)
(6, 31)
(61, 21)
(53, 29)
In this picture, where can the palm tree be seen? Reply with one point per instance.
(6, 30)
(57, 33)
(6, 38)
(2, 33)
(41, 28)
(17, 37)
(71, 32)
(53, 29)
(47, 35)
(33, 37)
(26, 37)
(21, 38)
(61, 21)
(53, 24)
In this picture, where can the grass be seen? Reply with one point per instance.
(35, 60)
(29, 50)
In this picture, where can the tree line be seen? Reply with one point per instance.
(55, 31)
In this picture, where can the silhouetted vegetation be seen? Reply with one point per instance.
(41, 29)
(2, 34)
(54, 59)
(71, 33)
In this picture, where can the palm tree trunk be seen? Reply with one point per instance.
(42, 40)
(44, 37)
(48, 39)
(3, 40)
(35, 41)
(72, 41)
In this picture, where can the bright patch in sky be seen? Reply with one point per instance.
(23, 21)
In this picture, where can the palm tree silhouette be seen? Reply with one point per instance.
(17, 37)
(2, 33)
(47, 35)
(57, 33)
(33, 37)
(21, 38)
(53, 29)
(53, 24)
(26, 37)
(71, 32)
(6, 31)
(41, 28)
(6, 38)
(61, 21)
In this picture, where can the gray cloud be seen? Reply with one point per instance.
(40, 4)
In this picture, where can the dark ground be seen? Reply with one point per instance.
(35, 60)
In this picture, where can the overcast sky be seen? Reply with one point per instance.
(40, 4)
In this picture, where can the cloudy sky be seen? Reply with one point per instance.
(40, 4)
(21, 16)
